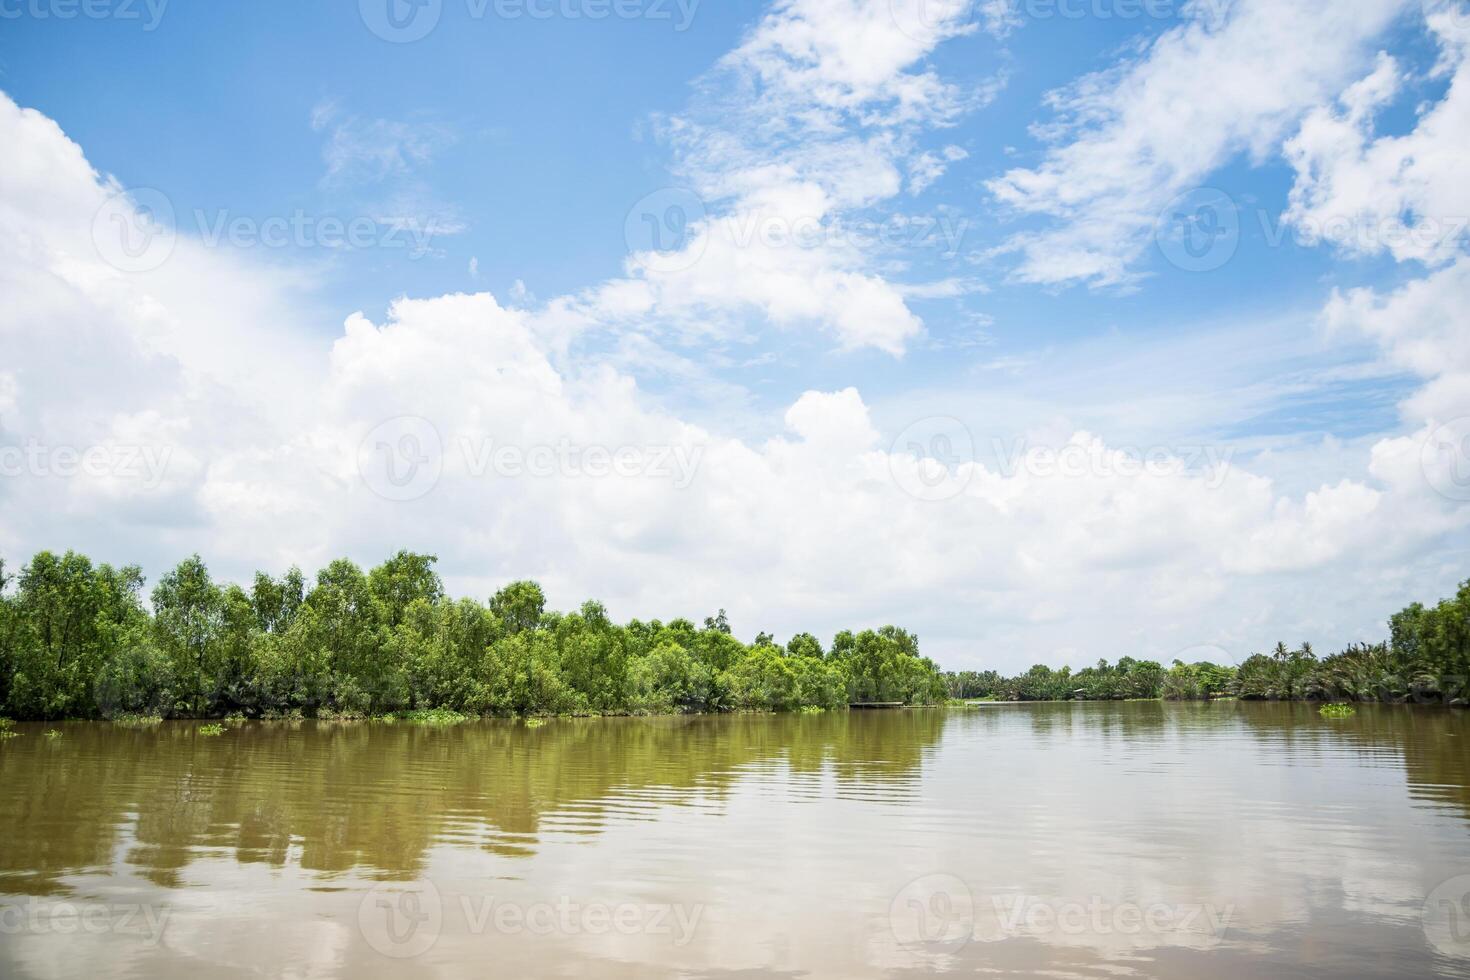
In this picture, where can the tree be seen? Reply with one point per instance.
(76, 640)
(402, 580)
(276, 603)
(188, 615)
(805, 645)
(9, 622)
(519, 605)
(67, 619)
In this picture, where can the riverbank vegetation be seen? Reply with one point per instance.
(1426, 659)
(77, 640)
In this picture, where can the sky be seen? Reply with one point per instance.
(1051, 330)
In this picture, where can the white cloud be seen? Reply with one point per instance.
(805, 128)
(276, 444)
(1404, 195)
(846, 56)
(1233, 79)
(370, 150)
(375, 167)
(929, 166)
(1423, 327)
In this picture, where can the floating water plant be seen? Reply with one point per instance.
(436, 716)
(1337, 711)
(213, 728)
(131, 720)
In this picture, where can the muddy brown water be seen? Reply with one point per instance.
(1088, 840)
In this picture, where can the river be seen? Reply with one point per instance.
(1066, 840)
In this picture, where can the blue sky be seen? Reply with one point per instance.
(1031, 171)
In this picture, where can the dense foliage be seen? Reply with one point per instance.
(78, 641)
(1426, 659)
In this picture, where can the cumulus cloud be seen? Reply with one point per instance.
(1402, 195)
(1128, 140)
(1422, 327)
(790, 149)
(479, 431)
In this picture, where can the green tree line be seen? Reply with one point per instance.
(77, 640)
(1425, 659)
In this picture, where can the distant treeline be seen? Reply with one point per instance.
(1426, 659)
(78, 641)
